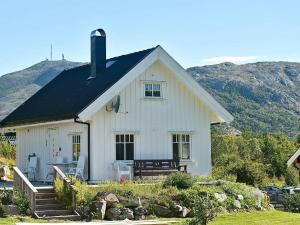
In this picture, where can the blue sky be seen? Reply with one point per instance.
(193, 32)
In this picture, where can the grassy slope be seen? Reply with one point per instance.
(15, 219)
(258, 218)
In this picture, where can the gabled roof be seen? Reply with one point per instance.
(159, 54)
(72, 95)
(71, 91)
(293, 158)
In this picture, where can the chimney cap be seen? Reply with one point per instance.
(97, 32)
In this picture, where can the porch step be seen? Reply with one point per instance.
(57, 206)
(54, 212)
(49, 207)
(46, 201)
(49, 189)
(72, 217)
(45, 195)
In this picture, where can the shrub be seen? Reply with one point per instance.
(7, 150)
(205, 210)
(20, 200)
(291, 177)
(291, 203)
(6, 197)
(251, 173)
(64, 192)
(179, 180)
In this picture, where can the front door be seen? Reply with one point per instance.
(53, 148)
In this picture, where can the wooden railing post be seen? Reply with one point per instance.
(58, 174)
(22, 184)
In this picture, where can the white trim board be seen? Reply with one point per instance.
(40, 124)
(293, 158)
(159, 54)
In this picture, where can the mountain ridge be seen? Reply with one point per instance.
(262, 96)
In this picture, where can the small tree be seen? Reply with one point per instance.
(205, 211)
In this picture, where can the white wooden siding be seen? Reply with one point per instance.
(33, 140)
(152, 121)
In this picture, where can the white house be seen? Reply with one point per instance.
(143, 105)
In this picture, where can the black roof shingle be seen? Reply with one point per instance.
(71, 91)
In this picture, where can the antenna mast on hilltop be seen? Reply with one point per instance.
(51, 52)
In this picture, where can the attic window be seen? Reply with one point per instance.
(152, 90)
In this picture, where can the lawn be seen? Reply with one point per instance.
(253, 218)
(14, 219)
(258, 218)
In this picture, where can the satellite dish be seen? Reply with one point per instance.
(116, 104)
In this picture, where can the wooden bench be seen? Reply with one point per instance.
(149, 167)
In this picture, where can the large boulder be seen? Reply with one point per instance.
(113, 214)
(237, 204)
(130, 202)
(126, 213)
(119, 214)
(139, 213)
(162, 211)
(181, 211)
(220, 197)
(100, 208)
(258, 196)
(110, 198)
(240, 197)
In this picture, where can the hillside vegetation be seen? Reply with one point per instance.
(263, 96)
(18, 86)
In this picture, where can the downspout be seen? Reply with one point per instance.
(89, 145)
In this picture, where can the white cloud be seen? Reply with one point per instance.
(233, 59)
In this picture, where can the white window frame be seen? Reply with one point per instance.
(124, 143)
(77, 138)
(181, 142)
(153, 83)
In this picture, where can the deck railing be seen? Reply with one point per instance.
(22, 184)
(59, 175)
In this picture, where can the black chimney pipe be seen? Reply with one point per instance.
(98, 52)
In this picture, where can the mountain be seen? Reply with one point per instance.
(18, 86)
(262, 96)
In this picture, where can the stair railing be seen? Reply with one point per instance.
(59, 175)
(22, 184)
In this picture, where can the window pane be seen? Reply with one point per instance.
(148, 87)
(148, 93)
(187, 138)
(119, 151)
(174, 138)
(129, 151)
(117, 138)
(175, 151)
(131, 138)
(75, 147)
(122, 138)
(183, 138)
(185, 151)
(127, 137)
(156, 87)
(156, 93)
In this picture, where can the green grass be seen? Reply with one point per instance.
(252, 218)
(15, 219)
(258, 218)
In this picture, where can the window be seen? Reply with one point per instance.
(75, 147)
(181, 146)
(124, 147)
(152, 90)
